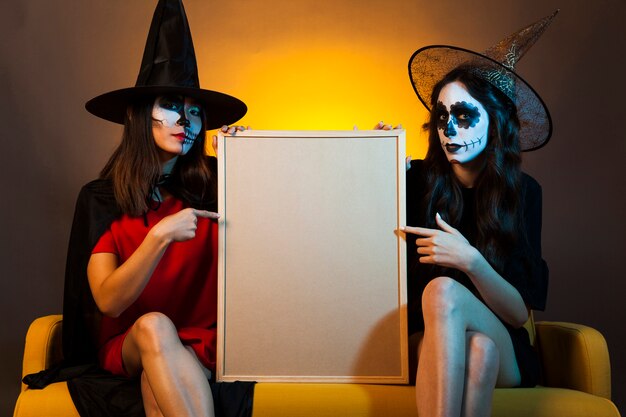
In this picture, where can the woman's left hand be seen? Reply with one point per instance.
(446, 247)
(382, 126)
(228, 130)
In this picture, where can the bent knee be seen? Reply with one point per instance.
(484, 349)
(483, 359)
(441, 298)
(153, 322)
(154, 331)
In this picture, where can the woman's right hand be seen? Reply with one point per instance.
(182, 225)
(116, 286)
(228, 130)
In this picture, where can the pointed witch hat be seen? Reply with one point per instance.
(430, 64)
(169, 67)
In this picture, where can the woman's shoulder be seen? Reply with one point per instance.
(530, 185)
(417, 165)
(211, 160)
(99, 185)
(416, 171)
(531, 197)
(98, 193)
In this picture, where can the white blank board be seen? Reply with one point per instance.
(311, 268)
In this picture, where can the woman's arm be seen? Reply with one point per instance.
(115, 287)
(497, 293)
(448, 247)
(525, 271)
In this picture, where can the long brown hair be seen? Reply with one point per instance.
(497, 189)
(134, 167)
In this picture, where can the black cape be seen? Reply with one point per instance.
(94, 391)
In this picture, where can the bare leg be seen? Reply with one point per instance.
(173, 374)
(149, 402)
(481, 371)
(205, 371)
(450, 311)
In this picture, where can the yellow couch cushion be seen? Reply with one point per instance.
(564, 347)
(331, 400)
(355, 400)
(574, 356)
(52, 401)
(359, 400)
(550, 402)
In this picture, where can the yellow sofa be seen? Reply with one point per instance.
(577, 382)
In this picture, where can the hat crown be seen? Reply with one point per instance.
(169, 58)
(168, 67)
(508, 52)
(512, 48)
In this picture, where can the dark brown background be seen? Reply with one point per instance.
(309, 64)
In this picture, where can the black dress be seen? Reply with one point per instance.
(524, 268)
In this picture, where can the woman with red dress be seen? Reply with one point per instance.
(153, 271)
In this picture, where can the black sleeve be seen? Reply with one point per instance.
(526, 270)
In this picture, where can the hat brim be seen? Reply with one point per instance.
(430, 64)
(221, 109)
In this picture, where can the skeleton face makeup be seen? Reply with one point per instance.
(462, 123)
(176, 123)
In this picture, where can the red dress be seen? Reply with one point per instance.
(183, 286)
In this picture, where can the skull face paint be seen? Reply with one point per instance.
(462, 123)
(176, 123)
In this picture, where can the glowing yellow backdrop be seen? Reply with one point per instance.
(315, 65)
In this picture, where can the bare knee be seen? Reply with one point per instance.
(154, 332)
(483, 360)
(440, 300)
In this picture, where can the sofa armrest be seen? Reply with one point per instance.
(43, 345)
(574, 356)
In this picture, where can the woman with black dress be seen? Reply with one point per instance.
(474, 242)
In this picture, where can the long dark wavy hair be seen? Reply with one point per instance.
(497, 189)
(135, 168)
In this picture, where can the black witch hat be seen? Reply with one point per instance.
(169, 67)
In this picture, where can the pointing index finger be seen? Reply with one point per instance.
(207, 214)
(420, 231)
